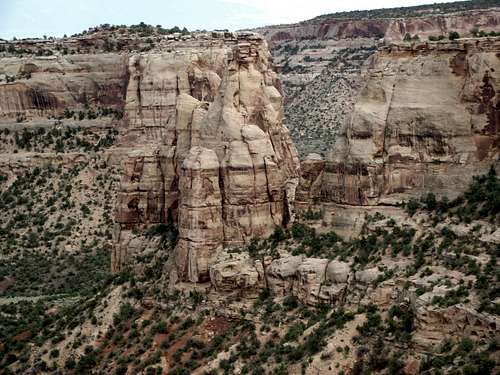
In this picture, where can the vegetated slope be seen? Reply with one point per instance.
(57, 229)
(57, 191)
(417, 295)
(321, 81)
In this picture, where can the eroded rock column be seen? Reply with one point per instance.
(200, 215)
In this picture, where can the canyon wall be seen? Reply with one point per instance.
(425, 121)
(201, 138)
(202, 142)
(392, 29)
(321, 62)
(209, 150)
(48, 85)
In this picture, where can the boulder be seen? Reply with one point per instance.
(237, 273)
(311, 274)
(281, 274)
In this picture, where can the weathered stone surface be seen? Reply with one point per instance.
(394, 29)
(433, 323)
(338, 272)
(61, 82)
(368, 275)
(237, 272)
(311, 274)
(210, 148)
(200, 214)
(311, 280)
(281, 274)
(311, 174)
(425, 121)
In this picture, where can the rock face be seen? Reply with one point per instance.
(311, 176)
(237, 272)
(426, 121)
(322, 61)
(200, 214)
(391, 27)
(61, 82)
(210, 150)
(200, 116)
(434, 323)
(311, 280)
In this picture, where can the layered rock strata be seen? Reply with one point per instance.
(321, 61)
(210, 150)
(426, 121)
(48, 85)
(392, 28)
(202, 141)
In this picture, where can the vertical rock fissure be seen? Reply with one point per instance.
(223, 201)
(268, 191)
(386, 129)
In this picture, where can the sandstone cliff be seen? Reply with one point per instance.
(320, 61)
(390, 27)
(210, 150)
(200, 119)
(48, 85)
(426, 121)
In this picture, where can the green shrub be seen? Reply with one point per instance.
(290, 302)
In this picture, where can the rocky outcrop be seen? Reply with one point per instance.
(210, 150)
(322, 281)
(237, 272)
(312, 280)
(47, 85)
(426, 121)
(433, 323)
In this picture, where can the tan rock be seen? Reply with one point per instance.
(434, 323)
(424, 122)
(237, 273)
(200, 215)
(281, 274)
(217, 113)
(311, 173)
(61, 82)
(311, 274)
(338, 272)
(368, 275)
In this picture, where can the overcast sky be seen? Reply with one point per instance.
(25, 18)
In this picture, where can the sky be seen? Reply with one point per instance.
(35, 18)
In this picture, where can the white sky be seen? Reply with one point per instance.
(288, 11)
